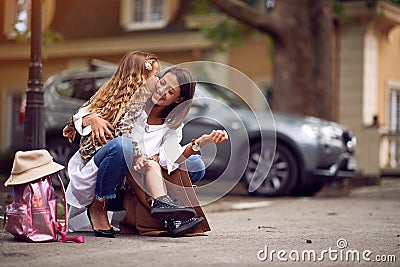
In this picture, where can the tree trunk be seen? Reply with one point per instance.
(303, 53)
(302, 78)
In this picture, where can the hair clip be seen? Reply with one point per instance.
(148, 65)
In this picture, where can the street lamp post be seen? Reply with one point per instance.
(34, 133)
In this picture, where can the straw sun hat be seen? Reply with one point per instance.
(32, 165)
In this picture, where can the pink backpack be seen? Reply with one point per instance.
(32, 216)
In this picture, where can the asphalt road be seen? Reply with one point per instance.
(249, 231)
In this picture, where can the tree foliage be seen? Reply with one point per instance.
(229, 31)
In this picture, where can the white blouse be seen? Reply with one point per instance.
(151, 139)
(159, 139)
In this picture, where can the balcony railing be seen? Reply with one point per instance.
(390, 153)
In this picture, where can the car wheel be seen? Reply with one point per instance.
(276, 179)
(62, 151)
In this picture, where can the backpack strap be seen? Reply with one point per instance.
(63, 232)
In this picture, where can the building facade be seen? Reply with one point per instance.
(367, 87)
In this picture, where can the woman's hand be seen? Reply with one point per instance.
(216, 137)
(69, 133)
(100, 128)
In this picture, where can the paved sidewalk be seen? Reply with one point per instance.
(243, 230)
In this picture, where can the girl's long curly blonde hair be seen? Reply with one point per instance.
(114, 96)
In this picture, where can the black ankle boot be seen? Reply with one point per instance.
(179, 228)
(164, 208)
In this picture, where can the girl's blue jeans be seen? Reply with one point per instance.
(196, 168)
(116, 157)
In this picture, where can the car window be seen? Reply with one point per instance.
(81, 89)
(65, 88)
(224, 95)
(84, 88)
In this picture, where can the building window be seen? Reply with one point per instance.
(22, 16)
(394, 110)
(17, 17)
(144, 14)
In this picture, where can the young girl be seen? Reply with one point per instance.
(106, 164)
(112, 99)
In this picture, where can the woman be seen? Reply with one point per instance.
(160, 127)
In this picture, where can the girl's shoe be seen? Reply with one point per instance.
(178, 228)
(164, 208)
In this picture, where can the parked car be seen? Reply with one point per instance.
(304, 152)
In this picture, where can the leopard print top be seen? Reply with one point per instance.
(123, 128)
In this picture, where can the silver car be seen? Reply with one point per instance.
(295, 157)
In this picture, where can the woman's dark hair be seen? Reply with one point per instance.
(176, 112)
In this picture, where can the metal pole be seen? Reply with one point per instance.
(34, 133)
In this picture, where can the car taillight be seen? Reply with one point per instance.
(349, 140)
(22, 111)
